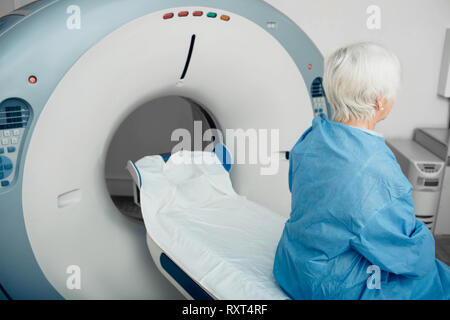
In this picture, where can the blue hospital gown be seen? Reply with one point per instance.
(352, 209)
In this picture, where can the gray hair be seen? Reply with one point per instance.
(356, 76)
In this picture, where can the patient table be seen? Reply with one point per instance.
(208, 241)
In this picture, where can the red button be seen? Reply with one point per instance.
(183, 14)
(168, 16)
(32, 79)
(198, 13)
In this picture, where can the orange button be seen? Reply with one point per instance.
(225, 18)
(198, 13)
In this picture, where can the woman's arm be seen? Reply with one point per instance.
(396, 241)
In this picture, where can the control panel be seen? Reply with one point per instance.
(429, 167)
(430, 175)
(15, 115)
(319, 100)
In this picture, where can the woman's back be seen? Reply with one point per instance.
(351, 208)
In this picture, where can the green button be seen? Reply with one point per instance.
(212, 15)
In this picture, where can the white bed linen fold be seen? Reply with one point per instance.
(221, 240)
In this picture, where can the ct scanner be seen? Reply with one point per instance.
(65, 91)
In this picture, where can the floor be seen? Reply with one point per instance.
(443, 249)
(127, 206)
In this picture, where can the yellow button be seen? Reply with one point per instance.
(225, 18)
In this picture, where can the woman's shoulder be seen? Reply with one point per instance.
(357, 173)
(342, 151)
(384, 164)
(374, 184)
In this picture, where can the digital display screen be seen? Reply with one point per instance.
(431, 183)
(13, 117)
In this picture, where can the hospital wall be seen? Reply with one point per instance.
(413, 29)
(6, 6)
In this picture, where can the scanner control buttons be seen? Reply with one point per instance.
(8, 137)
(6, 168)
(15, 115)
(196, 13)
(9, 144)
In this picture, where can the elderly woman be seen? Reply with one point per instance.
(352, 233)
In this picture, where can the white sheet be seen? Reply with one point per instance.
(220, 239)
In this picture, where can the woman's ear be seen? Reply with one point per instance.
(379, 104)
